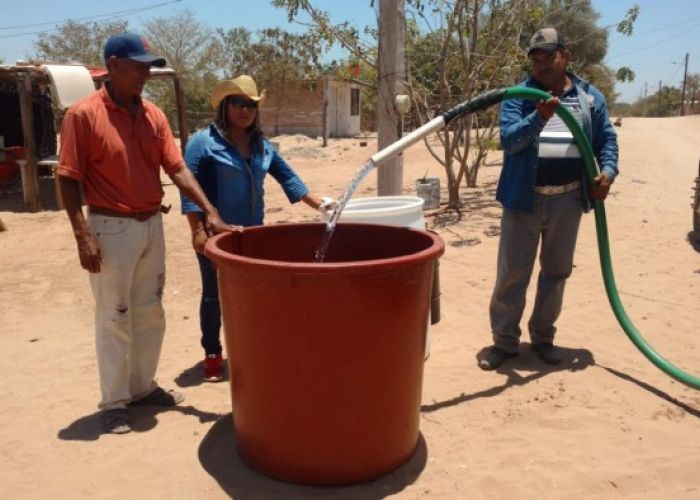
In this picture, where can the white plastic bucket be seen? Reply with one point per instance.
(406, 211)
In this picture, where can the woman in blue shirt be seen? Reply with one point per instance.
(230, 159)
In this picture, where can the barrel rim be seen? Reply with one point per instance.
(212, 249)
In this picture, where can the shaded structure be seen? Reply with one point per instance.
(31, 114)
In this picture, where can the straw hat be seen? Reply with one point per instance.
(241, 85)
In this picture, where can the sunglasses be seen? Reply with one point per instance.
(241, 103)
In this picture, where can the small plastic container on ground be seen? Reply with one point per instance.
(325, 359)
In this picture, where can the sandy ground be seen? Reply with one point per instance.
(605, 424)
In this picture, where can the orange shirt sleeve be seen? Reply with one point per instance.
(74, 140)
(171, 156)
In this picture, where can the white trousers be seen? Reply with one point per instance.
(129, 316)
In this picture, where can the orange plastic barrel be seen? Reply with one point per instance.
(326, 359)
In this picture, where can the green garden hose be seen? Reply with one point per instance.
(492, 97)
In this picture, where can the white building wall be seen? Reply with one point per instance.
(341, 123)
(302, 111)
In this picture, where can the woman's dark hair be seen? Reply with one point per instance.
(255, 132)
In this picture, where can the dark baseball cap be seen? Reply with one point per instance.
(547, 39)
(131, 46)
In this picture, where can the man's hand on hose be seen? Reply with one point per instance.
(599, 189)
(546, 108)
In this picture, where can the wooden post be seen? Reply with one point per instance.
(392, 36)
(326, 92)
(30, 172)
(181, 120)
(685, 78)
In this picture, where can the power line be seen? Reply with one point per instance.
(655, 43)
(609, 27)
(109, 15)
(660, 28)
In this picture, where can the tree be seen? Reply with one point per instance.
(189, 47)
(475, 46)
(588, 43)
(75, 42)
(281, 62)
(692, 83)
(344, 33)
(478, 49)
(666, 102)
(625, 74)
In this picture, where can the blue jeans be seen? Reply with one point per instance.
(209, 308)
(555, 221)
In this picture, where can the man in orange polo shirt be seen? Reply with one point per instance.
(113, 143)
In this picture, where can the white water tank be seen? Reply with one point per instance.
(406, 211)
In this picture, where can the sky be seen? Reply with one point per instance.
(664, 32)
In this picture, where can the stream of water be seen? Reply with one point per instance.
(342, 201)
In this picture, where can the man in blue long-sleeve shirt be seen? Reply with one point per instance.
(544, 191)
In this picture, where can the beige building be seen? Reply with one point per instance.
(327, 107)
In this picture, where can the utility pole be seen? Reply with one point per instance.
(392, 69)
(685, 77)
(659, 88)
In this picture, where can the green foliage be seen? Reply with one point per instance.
(666, 102)
(621, 109)
(493, 144)
(292, 7)
(345, 33)
(588, 43)
(626, 26)
(75, 42)
(190, 49)
(281, 62)
(475, 48)
(276, 58)
(625, 74)
(692, 89)
(577, 21)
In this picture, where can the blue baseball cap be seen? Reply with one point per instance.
(131, 46)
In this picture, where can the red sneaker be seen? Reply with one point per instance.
(213, 368)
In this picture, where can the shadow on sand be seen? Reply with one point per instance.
(653, 390)
(219, 457)
(574, 360)
(143, 419)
